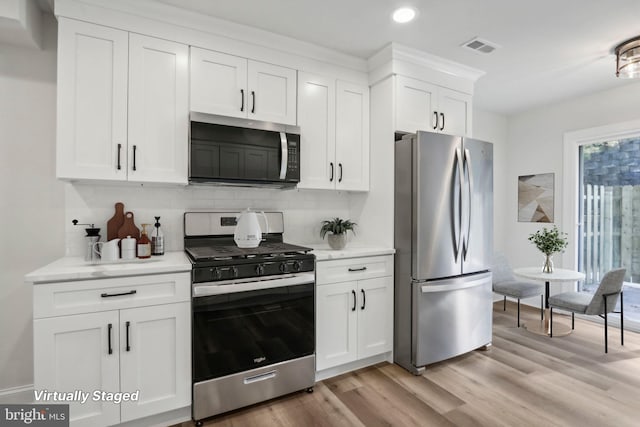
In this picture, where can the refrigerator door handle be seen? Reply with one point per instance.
(425, 289)
(457, 197)
(467, 167)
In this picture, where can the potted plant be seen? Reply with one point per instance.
(549, 242)
(337, 229)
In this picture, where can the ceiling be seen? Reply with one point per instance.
(550, 50)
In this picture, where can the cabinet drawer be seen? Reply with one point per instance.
(57, 299)
(353, 269)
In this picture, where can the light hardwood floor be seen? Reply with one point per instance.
(521, 380)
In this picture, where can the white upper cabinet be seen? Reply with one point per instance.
(334, 123)
(229, 85)
(424, 106)
(158, 110)
(123, 109)
(92, 101)
(352, 137)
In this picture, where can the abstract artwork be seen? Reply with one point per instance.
(535, 198)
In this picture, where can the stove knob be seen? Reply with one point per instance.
(234, 271)
(215, 273)
(259, 269)
(283, 267)
(296, 266)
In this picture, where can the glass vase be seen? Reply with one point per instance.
(548, 264)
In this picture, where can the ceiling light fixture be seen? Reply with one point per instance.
(628, 58)
(404, 15)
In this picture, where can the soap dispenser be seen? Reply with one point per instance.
(157, 239)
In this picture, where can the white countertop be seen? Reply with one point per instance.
(324, 252)
(76, 268)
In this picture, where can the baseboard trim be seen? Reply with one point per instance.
(352, 366)
(21, 394)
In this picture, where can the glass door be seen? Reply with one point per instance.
(609, 211)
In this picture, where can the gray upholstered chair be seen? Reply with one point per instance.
(603, 301)
(505, 283)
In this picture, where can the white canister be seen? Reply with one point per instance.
(128, 246)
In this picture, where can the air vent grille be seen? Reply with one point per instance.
(480, 45)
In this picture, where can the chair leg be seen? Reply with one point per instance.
(504, 303)
(621, 320)
(606, 327)
(518, 312)
(573, 320)
(551, 322)
(541, 307)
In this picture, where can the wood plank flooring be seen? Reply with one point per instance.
(521, 380)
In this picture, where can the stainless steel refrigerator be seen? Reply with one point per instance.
(443, 241)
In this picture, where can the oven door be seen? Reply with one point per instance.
(242, 325)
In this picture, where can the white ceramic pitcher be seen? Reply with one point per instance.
(108, 251)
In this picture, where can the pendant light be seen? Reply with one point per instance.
(628, 58)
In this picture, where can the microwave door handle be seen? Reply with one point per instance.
(284, 155)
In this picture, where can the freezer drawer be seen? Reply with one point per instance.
(450, 317)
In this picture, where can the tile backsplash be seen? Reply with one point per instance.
(94, 203)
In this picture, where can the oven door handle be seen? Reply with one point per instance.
(258, 283)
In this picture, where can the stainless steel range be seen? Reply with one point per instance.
(253, 314)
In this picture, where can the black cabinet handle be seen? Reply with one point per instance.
(340, 166)
(358, 269)
(364, 299)
(354, 300)
(119, 150)
(118, 295)
(253, 105)
(331, 179)
(128, 324)
(442, 126)
(242, 98)
(435, 113)
(109, 337)
(134, 157)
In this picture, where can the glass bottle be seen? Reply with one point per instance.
(157, 239)
(144, 245)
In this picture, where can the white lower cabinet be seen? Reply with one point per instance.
(354, 310)
(130, 347)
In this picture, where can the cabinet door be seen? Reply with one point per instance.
(456, 109)
(336, 317)
(375, 316)
(416, 103)
(352, 137)
(92, 101)
(218, 83)
(72, 353)
(317, 121)
(271, 93)
(155, 358)
(158, 110)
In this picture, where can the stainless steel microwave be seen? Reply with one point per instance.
(230, 151)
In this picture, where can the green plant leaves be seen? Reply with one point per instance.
(337, 226)
(549, 241)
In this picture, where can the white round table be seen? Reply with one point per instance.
(559, 275)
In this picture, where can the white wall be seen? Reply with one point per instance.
(492, 127)
(536, 146)
(32, 207)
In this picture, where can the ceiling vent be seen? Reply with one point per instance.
(480, 45)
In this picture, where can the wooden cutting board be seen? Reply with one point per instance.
(116, 222)
(129, 227)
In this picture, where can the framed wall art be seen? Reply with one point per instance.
(535, 197)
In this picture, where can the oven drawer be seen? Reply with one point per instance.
(64, 298)
(334, 271)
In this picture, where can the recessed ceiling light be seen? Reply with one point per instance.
(404, 15)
